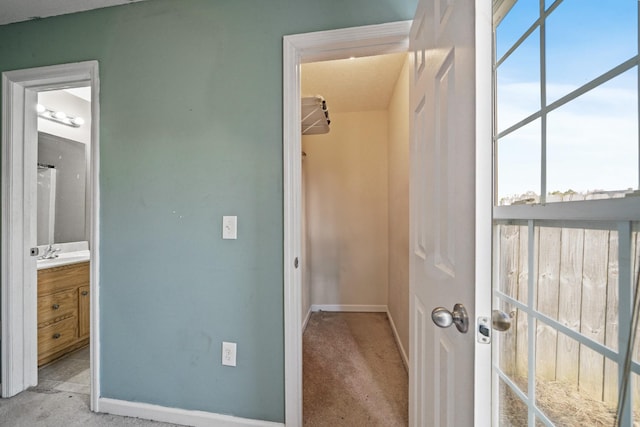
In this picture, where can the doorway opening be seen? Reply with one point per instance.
(298, 49)
(50, 228)
(355, 241)
(63, 168)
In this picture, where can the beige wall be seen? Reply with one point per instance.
(346, 209)
(398, 297)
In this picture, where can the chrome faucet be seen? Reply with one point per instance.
(50, 252)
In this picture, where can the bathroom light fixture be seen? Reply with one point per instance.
(59, 117)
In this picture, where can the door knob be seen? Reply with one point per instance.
(500, 321)
(445, 318)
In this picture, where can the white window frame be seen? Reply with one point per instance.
(621, 215)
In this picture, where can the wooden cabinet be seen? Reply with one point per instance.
(63, 310)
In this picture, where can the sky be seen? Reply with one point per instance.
(592, 142)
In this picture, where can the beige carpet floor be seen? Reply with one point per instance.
(353, 373)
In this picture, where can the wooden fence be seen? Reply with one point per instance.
(576, 283)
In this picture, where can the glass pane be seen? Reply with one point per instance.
(519, 19)
(512, 348)
(513, 259)
(576, 279)
(592, 142)
(569, 396)
(586, 38)
(518, 165)
(512, 411)
(548, 249)
(576, 282)
(518, 81)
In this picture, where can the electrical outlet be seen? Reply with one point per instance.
(229, 353)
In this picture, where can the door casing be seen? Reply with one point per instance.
(18, 281)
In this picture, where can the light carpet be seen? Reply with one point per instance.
(353, 373)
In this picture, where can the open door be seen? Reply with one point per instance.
(450, 194)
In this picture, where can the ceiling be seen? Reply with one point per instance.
(359, 84)
(24, 10)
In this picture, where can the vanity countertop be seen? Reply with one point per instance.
(64, 259)
(71, 253)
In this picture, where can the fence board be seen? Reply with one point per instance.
(610, 392)
(547, 299)
(521, 317)
(509, 261)
(571, 255)
(592, 322)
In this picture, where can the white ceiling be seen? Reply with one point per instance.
(23, 10)
(360, 84)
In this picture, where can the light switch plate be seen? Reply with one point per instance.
(229, 353)
(229, 227)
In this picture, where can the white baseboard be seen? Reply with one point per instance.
(306, 319)
(177, 416)
(350, 307)
(403, 353)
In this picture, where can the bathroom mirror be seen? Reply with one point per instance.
(64, 144)
(62, 190)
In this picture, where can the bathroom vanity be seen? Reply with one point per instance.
(63, 308)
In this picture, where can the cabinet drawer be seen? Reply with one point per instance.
(57, 335)
(56, 306)
(59, 278)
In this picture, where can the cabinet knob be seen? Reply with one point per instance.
(84, 293)
(56, 336)
(55, 306)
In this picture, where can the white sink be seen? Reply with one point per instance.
(64, 258)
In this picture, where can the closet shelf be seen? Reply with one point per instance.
(315, 115)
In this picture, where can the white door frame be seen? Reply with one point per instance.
(297, 49)
(18, 281)
(484, 207)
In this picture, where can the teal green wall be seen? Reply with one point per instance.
(191, 130)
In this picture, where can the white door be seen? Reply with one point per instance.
(447, 107)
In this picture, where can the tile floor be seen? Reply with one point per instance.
(69, 374)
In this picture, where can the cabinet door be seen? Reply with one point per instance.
(84, 311)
